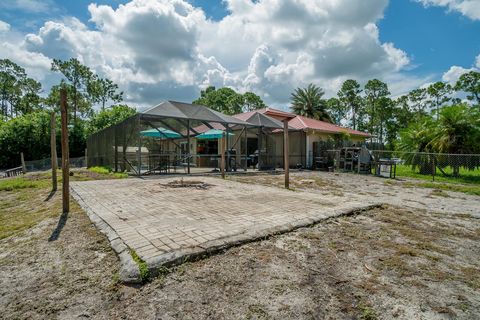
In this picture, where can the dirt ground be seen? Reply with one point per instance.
(381, 264)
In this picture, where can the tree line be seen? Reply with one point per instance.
(390, 120)
(25, 109)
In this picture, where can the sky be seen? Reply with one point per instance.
(171, 49)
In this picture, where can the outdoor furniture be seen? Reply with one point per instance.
(348, 158)
(13, 172)
(386, 168)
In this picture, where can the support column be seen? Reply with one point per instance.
(139, 156)
(188, 146)
(259, 147)
(115, 158)
(227, 147)
(286, 154)
(245, 166)
(222, 156)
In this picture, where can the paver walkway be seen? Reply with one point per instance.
(165, 224)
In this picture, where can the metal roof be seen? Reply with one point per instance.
(261, 120)
(187, 111)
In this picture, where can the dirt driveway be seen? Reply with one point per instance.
(389, 262)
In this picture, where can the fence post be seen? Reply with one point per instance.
(286, 148)
(433, 168)
(65, 152)
(86, 157)
(22, 159)
(53, 151)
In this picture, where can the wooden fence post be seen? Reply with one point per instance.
(22, 159)
(65, 152)
(286, 148)
(53, 150)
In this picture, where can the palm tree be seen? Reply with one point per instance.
(308, 102)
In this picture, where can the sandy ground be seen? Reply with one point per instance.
(337, 187)
(385, 263)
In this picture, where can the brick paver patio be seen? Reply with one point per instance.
(164, 224)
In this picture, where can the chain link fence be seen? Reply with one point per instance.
(437, 166)
(46, 164)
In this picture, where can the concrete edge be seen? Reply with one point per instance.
(129, 271)
(212, 247)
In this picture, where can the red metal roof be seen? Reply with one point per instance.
(303, 123)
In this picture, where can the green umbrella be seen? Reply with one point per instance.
(160, 133)
(212, 134)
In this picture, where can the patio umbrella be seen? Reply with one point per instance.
(160, 133)
(212, 134)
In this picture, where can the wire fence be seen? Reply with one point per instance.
(435, 166)
(46, 164)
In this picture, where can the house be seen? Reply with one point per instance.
(304, 132)
(173, 134)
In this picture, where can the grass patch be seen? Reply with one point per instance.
(466, 176)
(468, 189)
(20, 183)
(367, 313)
(26, 200)
(142, 265)
(108, 171)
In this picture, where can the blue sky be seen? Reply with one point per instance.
(414, 42)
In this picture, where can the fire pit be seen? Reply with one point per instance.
(195, 184)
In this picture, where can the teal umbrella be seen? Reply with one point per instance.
(212, 134)
(160, 133)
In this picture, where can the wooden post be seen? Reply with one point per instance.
(188, 146)
(53, 150)
(65, 152)
(227, 148)
(86, 157)
(246, 149)
(22, 159)
(222, 157)
(259, 147)
(285, 154)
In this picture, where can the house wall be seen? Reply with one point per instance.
(313, 136)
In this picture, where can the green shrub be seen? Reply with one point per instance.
(18, 183)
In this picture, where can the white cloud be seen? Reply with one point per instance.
(452, 75)
(4, 27)
(469, 8)
(159, 49)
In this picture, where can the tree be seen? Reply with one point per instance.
(103, 90)
(79, 77)
(378, 106)
(28, 134)
(439, 95)
(457, 131)
(30, 100)
(252, 102)
(470, 83)
(418, 100)
(349, 95)
(84, 107)
(309, 102)
(336, 109)
(227, 101)
(109, 117)
(19, 94)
